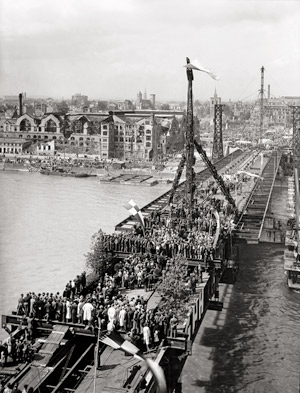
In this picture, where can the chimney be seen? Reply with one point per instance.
(20, 104)
(269, 92)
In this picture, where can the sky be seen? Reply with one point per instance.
(112, 49)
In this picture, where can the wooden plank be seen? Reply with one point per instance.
(60, 329)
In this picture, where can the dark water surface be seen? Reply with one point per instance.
(258, 348)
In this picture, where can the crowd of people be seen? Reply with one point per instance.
(19, 350)
(108, 305)
(170, 235)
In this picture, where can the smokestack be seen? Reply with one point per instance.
(20, 104)
(269, 92)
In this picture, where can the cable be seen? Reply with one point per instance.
(249, 84)
(248, 96)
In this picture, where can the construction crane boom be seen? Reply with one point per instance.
(177, 178)
(215, 174)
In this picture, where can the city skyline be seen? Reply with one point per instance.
(112, 50)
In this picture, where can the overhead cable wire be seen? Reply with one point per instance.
(244, 91)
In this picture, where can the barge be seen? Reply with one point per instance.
(62, 172)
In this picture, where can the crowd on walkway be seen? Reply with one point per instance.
(107, 306)
(151, 252)
(170, 235)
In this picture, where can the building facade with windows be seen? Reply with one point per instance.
(13, 145)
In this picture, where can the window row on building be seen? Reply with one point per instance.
(111, 136)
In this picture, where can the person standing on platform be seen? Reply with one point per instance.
(87, 311)
(122, 318)
(173, 326)
(147, 337)
(68, 310)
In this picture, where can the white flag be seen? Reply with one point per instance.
(195, 65)
(135, 211)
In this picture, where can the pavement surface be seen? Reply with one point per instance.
(197, 371)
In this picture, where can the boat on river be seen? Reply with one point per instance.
(62, 172)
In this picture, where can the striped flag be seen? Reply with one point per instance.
(134, 210)
(115, 341)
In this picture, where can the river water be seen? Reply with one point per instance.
(45, 229)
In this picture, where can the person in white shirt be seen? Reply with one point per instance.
(87, 311)
(122, 316)
(146, 337)
(111, 313)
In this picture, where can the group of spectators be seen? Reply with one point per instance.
(108, 305)
(170, 235)
(19, 350)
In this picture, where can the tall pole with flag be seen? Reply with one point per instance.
(189, 143)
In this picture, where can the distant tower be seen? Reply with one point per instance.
(139, 97)
(20, 104)
(261, 120)
(269, 92)
(214, 101)
(217, 152)
(145, 95)
(153, 100)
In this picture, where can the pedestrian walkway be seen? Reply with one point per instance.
(197, 371)
(152, 297)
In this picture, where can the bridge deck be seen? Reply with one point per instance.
(251, 224)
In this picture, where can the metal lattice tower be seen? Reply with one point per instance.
(261, 120)
(189, 144)
(217, 151)
(296, 135)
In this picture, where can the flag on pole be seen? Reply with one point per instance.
(115, 341)
(195, 65)
(134, 210)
